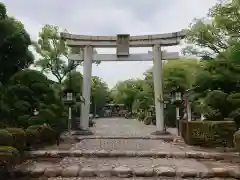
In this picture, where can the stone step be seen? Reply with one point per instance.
(135, 178)
(129, 167)
(163, 137)
(115, 153)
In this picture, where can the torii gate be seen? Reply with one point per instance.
(85, 52)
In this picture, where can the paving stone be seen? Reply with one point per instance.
(104, 172)
(186, 172)
(53, 171)
(123, 171)
(71, 171)
(165, 171)
(87, 172)
(143, 172)
(220, 172)
(37, 172)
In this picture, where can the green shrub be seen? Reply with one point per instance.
(154, 119)
(128, 115)
(209, 133)
(91, 123)
(8, 156)
(19, 138)
(147, 120)
(236, 117)
(32, 137)
(40, 134)
(47, 134)
(237, 140)
(141, 116)
(6, 138)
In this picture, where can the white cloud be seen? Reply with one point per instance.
(109, 17)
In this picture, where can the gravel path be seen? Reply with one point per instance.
(123, 127)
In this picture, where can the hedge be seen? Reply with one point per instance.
(19, 138)
(40, 134)
(6, 138)
(8, 156)
(209, 133)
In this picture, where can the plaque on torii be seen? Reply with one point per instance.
(123, 45)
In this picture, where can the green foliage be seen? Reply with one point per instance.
(99, 91)
(53, 52)
(29, 90)
(209, 133)
(141, 116)
(216, 105)
(99, 94)
(6, 138)
(19, 138)
(13, 34)
(9, 156)
(91, 123)
(236, 116)
(40, 134)
(148, 120)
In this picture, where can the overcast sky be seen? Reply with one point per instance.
(110, 17)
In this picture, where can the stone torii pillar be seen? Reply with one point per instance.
(158, 89)
(86, 88)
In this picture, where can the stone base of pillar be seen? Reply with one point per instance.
(160, 133)
(82, 132)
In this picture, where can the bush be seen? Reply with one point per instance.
(236, 117)
(154, 119)
(32, 137)
(6, 138)
(19, 138)
(141, 116)
(40, 134)
(209, 133)
(8, 156)
(128, 115)
(147, 120)
(47, 134)
(91, 123)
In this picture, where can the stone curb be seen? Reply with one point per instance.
(164, 137)
(103, 153)
(126, 172)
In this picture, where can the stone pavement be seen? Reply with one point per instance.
(121, 150)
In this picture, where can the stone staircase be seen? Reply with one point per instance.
(115, 158)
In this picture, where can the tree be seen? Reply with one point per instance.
(125, 92)
(99, 90)
(14, 43)
(74, 81)
(212, 36)
(29, 90)
(53, 53)
(99, 94)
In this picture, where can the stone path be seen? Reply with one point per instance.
(119, 149)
